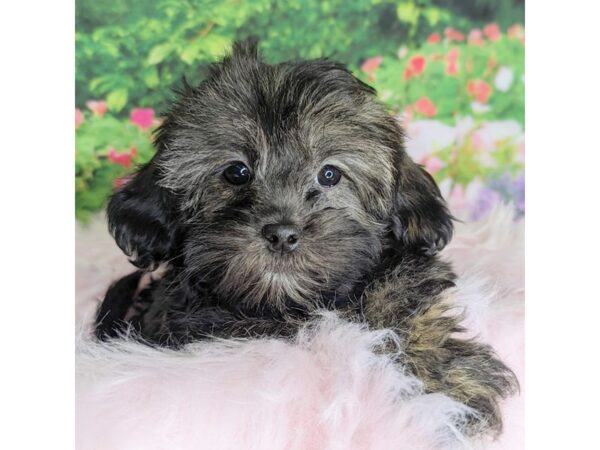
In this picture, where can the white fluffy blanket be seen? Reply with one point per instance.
(328, 389)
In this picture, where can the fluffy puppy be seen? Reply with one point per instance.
(278, 190)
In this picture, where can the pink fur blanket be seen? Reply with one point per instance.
(328, 389)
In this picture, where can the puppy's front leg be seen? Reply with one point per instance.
(110, 316)
(465, 370)
(198, 322)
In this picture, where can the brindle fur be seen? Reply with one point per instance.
(368, 245)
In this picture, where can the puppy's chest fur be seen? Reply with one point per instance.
(171, 312)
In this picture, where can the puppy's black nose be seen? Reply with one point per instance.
(282, 238)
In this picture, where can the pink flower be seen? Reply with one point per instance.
(454, 35)
(416, 66)
(79, 118)
(453, 55)
(425, 107)
(480, 90)
(515, 31)
(476, 37)
(451, 68)
(98, 107)
(434, 164)
(143, 118)
(492, 32)
(452, 62)
(457, 199)
(119, 182)
(434, 38)
(370, 65)
(123, 159)
(477, 140)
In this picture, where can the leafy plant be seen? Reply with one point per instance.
(428, 59)
(456, 75)
(133, 52)
(107, 149)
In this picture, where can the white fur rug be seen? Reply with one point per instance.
(329, 389)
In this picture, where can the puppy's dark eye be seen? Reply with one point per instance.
(237, 174)
(329, 176)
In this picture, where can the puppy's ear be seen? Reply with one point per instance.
(141, 218)
(420, 217)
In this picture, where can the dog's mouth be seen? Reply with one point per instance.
(282, 263)
(281, 258)
(241, 264)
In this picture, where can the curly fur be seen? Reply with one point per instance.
(368, 245)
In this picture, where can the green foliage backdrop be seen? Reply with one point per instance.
(426, 58)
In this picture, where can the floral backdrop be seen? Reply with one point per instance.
(452, 72)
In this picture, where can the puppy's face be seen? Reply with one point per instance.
(278, 183)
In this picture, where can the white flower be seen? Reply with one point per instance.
(504, 79)
(473, 189)
(445, 185)
(385, 95)
(480, 107)
(426, 136)
(491, 133)
(402, 52)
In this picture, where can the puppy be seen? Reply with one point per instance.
(279, 190)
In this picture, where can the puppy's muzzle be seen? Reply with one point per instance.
(281, 237)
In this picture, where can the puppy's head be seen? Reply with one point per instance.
(278, 182)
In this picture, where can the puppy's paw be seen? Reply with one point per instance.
(477, 378)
